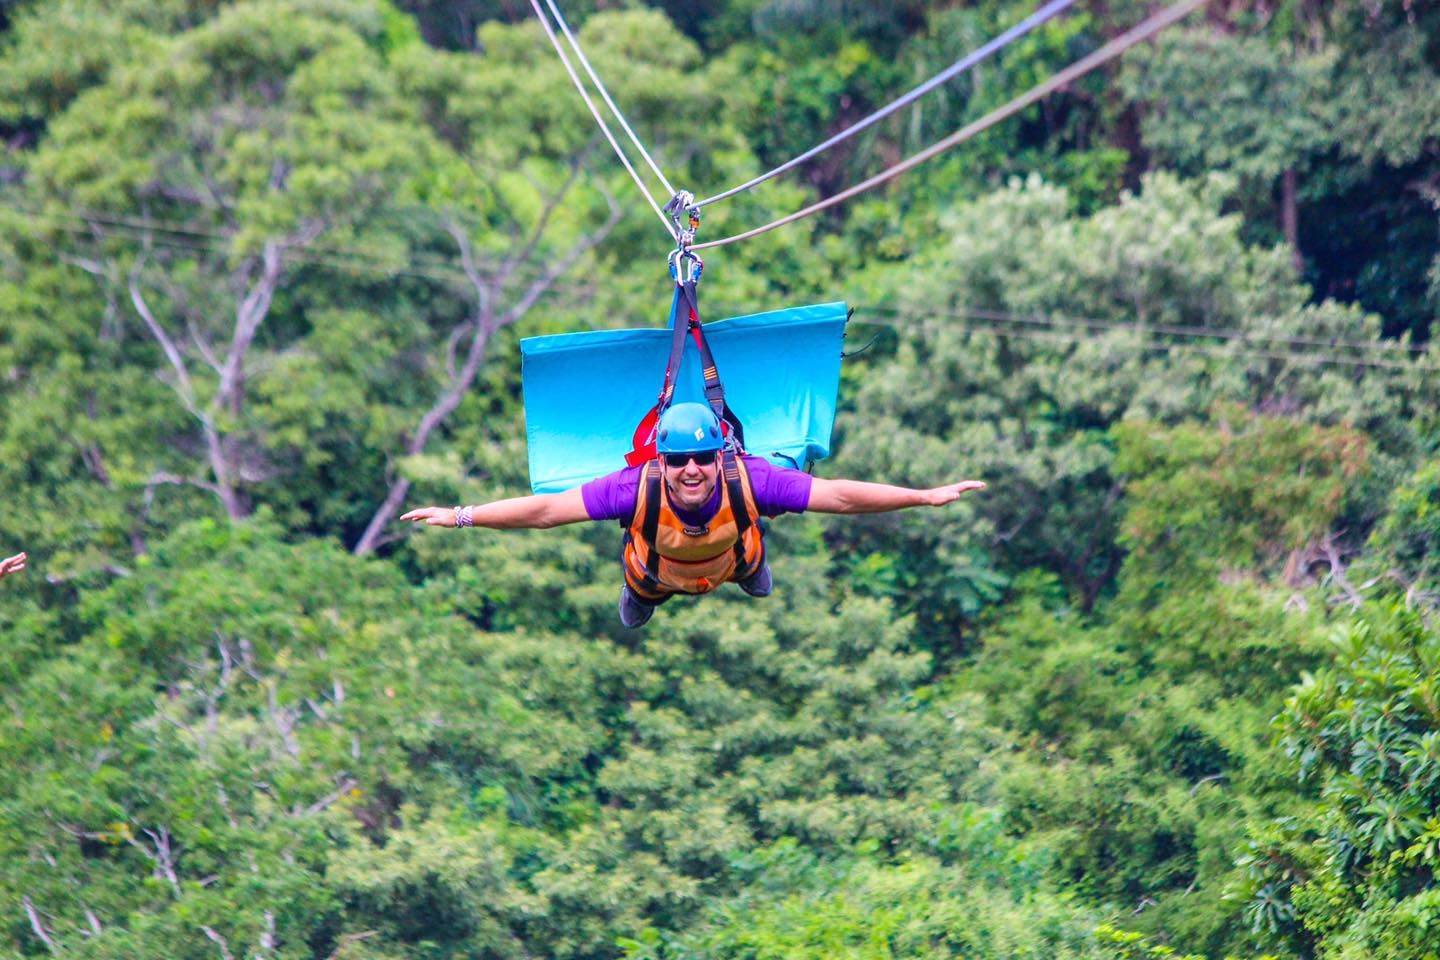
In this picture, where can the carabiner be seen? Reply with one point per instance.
(684, 203)
(685, 267)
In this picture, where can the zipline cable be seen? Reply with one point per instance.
(960, 66)
(1109, 51)
(605, 94)
(604, 127)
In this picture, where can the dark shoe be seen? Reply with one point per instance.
(758, 584)
(634, 612)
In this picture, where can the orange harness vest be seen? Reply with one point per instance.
(663, 556)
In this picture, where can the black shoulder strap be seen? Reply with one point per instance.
(679, 326)
(735, 489)
(650, 523)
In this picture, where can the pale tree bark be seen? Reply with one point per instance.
(479, 328)
(37, 925)
(1290, 215)
(219, 941)
(260, 278)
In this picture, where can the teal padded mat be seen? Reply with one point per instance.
(586, 392)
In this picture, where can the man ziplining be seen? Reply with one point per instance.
(691, 515)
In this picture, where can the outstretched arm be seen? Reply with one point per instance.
(538, 511)
(857, 496)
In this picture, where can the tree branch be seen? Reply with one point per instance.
(582, 246)
(346, 785)
(214, 445)
(248, 316)
(1337, 571)
(284, 719)
(348, 939)
(160, 477)
(219, 941)
(551, 205)
(163, 856)
(37, 926)
(485, 325)
(172, 353)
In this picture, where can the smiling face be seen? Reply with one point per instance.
(690, 486)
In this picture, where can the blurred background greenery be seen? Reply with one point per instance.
(1169, 687)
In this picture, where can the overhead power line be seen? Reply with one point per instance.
(1146, 29)
(449, 271)
(1051, 9)
(1182, 330)
(1078, 336)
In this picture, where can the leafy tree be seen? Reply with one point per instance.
(1356, 874)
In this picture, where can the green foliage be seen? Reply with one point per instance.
(1237, 497)
(1147, 733)
(1356, 875)
(981, 903)
(1409, 537)
(1038, 724)
(1214, 100)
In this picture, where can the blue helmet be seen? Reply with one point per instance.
(689, 428)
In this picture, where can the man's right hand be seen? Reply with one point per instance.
(12, 564)
(433, 516)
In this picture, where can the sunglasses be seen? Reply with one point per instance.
(678, 460)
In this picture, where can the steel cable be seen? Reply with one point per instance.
(605, 94)
(604, 127)
(960, 66)
(1108, 52)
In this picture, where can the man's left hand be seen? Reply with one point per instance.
(12, 564)
(939, 496)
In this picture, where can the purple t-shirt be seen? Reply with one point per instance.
(777, 490)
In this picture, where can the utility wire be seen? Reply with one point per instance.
(445, 271)
(1077, 337)
(1045, 13)
(620, 117)
(355, 260)
(1181, 330)
(150, 226)
(604, 127)
(1109, 51)
(312, 257)
(1068, 331)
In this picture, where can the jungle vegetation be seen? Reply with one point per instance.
(1169, 688)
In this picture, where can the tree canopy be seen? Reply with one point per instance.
(1167, 688)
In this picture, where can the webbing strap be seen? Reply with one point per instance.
(677, 351)
(714, 389)
(735, 487)
(650, 525)
(710, 371)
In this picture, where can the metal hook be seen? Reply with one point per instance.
(685, 266)
(684, 203)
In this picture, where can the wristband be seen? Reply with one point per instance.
(464, 517)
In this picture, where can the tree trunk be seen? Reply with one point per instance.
(485, 322)
(387, 511)
(1290, 216)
